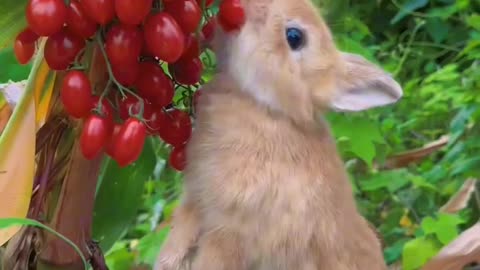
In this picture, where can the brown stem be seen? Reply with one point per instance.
(74, 213)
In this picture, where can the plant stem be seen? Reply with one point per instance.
(120, 87)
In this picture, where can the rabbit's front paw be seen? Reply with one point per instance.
(170, 262)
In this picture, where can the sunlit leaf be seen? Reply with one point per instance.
(44, 85)
(5, 113)
(150, 245)
(361, 133)
(17, 161)
(462, 251)
(119, 197)
(417, 252)
(444, 226)
(120, 259)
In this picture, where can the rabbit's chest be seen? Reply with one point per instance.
(259, 188)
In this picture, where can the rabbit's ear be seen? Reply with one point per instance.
(361, 85)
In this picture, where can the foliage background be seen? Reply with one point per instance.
(432, 47)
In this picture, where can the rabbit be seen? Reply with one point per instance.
(264, 185)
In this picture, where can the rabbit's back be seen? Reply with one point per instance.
(258, 175)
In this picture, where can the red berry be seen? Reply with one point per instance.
(154, 85)
(123, 44)
(109, 148)
(187, 71)
(192, 48)
(61, 49)
(128, 143)
(176, 127)
(27, 36)
(154, 120)
(100, 11)
(78, 22)
(24, 51)
(187, 13)
(46, 17)
(106, 109)
(178, 158)
(94, 137)
(132, 105)
(231, 15)
(127, 75)
(132, 11)
(208, 30)
(164, 37)
(76, 94)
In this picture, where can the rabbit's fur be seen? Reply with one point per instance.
(264, 186)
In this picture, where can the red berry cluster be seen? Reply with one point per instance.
(150, 48)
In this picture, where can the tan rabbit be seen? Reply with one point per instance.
(264, 186)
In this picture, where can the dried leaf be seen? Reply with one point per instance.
(460, 199)
(5, 114)
(459, 253)
(404, 159)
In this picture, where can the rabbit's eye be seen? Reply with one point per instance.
(295, 38)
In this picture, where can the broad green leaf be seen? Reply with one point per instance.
(361, 134)
(12, 20)
(417, 252)
(10, 69)
(119, 197)
(444, 226)
(474, 21)
(150, 245)
(394, 252)
(391, 180)
(443, 12)
(9, 222)
(438, 29)
(408, 8)
(120, 259)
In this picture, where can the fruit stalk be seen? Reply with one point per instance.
(74, 213)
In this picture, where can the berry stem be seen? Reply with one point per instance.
(120, 87)
(102, 96)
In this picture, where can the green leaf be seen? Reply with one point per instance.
(9, 222)
(12, 20)
(438, 29)
(120, 259)
(170, 208)
(444, 227)
(474, 21)
(394, 252)
(408, 8)
(350, 45)
(10, 69)
(119, 197)
(417, 252)
(391, 180)
(150, 245)
(361, 133)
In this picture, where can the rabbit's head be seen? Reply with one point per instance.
(285, 58)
